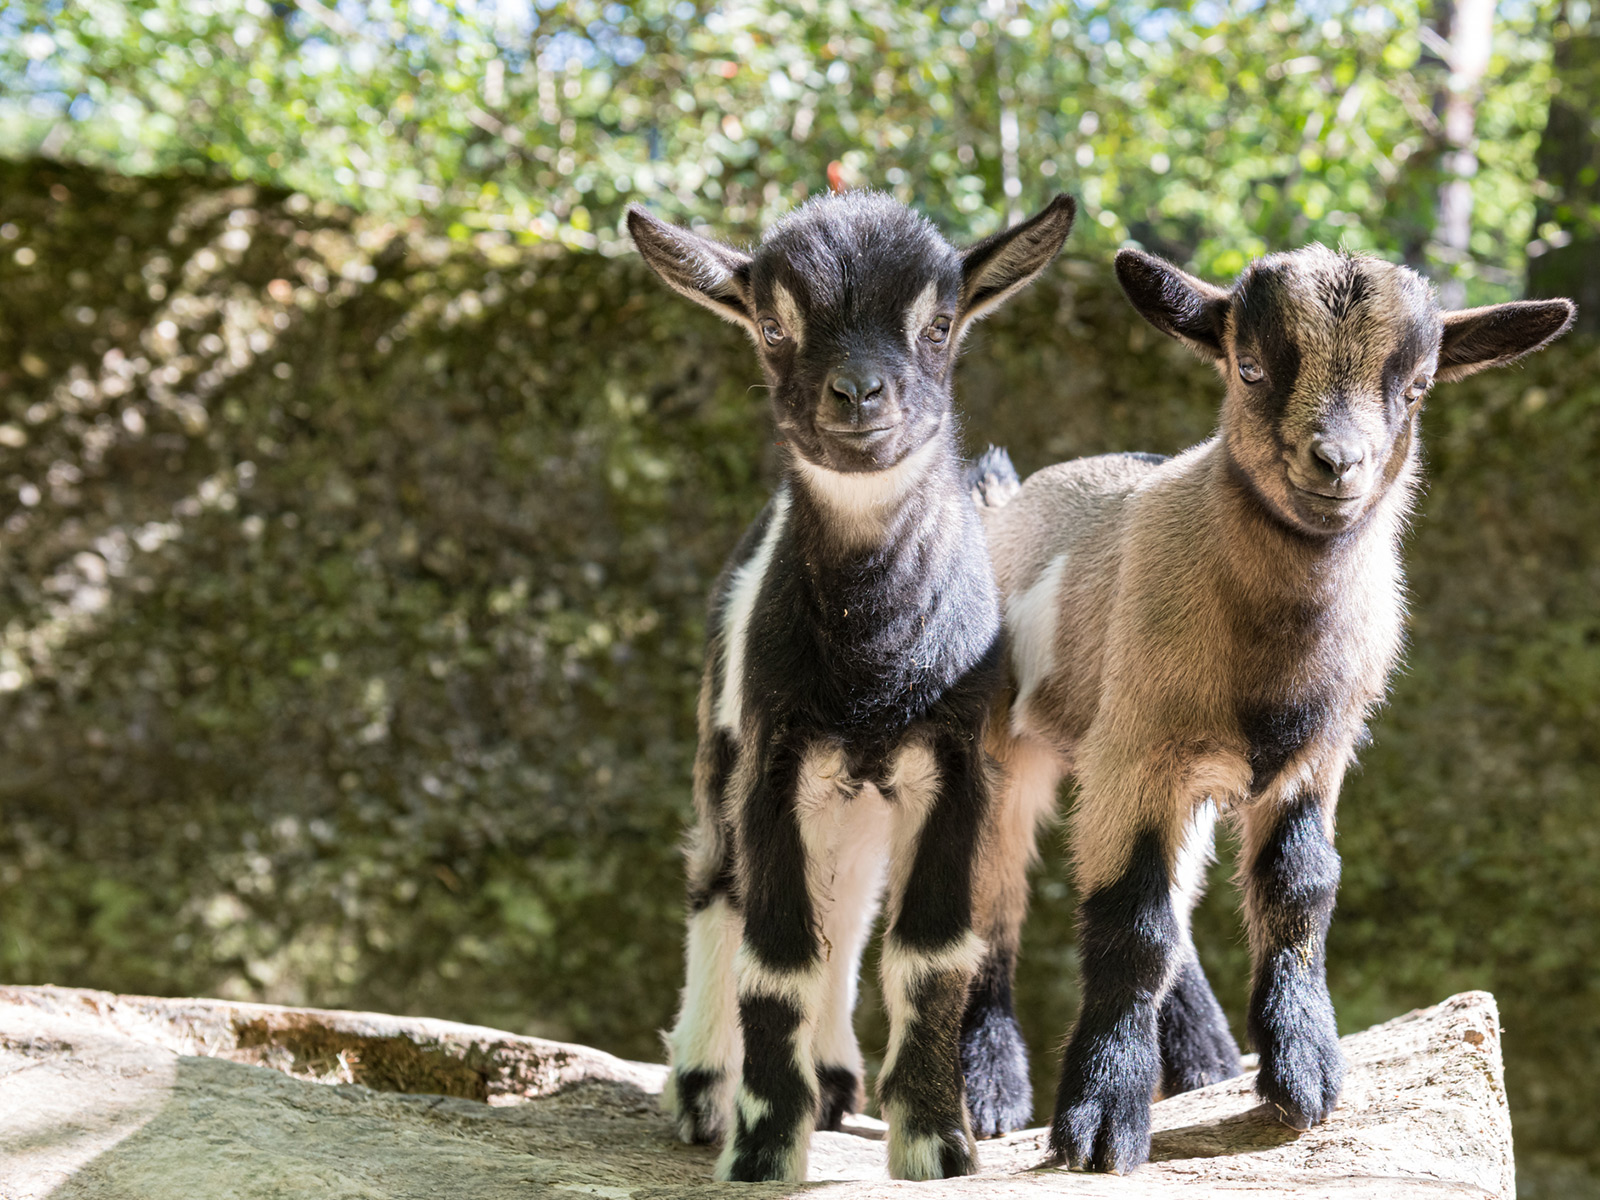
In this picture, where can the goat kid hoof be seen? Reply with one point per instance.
(693, 1098)
(839, 1092)
(1108, 1129)
(994, 1062)
(931, 1155)
(1301, 1079)
(745, 1161)
(1208, 1057)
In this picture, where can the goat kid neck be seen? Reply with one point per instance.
(867, 524)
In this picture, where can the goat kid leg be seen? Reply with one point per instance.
(779, 981)
(1129, 943)
(1197, 1047)
(1197, 1044)
(847, 843)
(704, 1046)
(930, 954)
(994, 1057)
(1290, 875)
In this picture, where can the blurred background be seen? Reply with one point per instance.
(360, 492)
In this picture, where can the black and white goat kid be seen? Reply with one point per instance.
(853, 654)
(1209, 633)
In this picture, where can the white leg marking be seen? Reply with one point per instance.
(918, 1156)
(904, 971)
(802, 989)
(742, 594)
(913, 786)
(847, 840)
(792, 1168)
(707, 1036)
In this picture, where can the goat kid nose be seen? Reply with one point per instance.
(860, 390)
(1337, 456)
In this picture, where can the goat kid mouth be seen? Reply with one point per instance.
(858, 432)
(1332, 497)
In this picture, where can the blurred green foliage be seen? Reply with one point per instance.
(352, 582)
(1210, 130)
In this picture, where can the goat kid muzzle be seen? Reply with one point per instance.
(858, 410)
(1332, 468)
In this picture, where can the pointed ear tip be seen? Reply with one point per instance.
(641, 223)
(1130, 263)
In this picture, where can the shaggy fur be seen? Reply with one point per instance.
(853, 656)
(1209, 633)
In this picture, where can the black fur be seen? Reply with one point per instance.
(861, 642)
(854, 646)
(1400, 367)
(991, 478)
(772, 1076)
(1127, 935)
(1174, 302)
(1197, 1047)
(697, 1097)
(929, 1071)
(779, 926)
(994, 1058)
(839, 1089)
(1276, 733)
(1292, 885)
(1264, 316)
(937, 907)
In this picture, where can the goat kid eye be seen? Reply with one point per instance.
(1419, 387)
(938, 331)
(772, 331)
(1250, 371)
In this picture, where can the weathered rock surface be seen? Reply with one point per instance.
(130, 1097)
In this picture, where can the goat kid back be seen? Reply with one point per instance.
(1207, 634)
(853, 655)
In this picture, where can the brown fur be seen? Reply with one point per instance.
(1217, 627)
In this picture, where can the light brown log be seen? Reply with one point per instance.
(125, 1097)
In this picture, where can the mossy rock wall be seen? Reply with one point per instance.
(353, 589)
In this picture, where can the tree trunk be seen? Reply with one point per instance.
(1466, 27)
(1564, 256)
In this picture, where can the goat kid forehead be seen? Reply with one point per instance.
(1332, 328)
(838, 270)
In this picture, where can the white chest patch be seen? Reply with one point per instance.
(742, 595)
(861, 501)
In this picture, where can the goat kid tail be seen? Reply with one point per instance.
(992, 479)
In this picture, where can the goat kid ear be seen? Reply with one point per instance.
(1006, 262)
(1476, 338)
(1175, 302)
(707, 272)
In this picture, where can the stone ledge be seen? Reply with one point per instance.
(110, 1096)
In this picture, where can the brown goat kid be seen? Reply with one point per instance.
(1208, 634)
